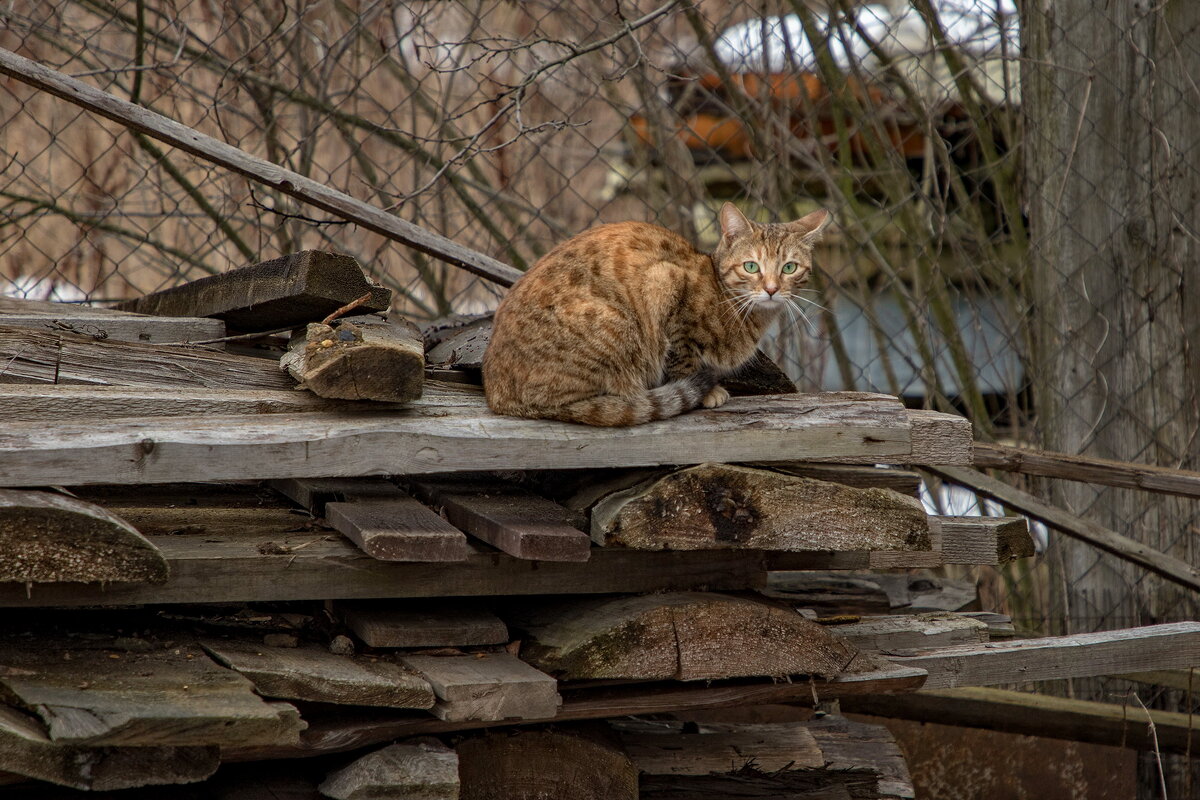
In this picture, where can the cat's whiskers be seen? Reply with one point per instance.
(813, 303)
(793, 309)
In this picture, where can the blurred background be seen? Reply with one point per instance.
(1015, 190)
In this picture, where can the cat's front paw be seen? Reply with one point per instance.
(717, 396)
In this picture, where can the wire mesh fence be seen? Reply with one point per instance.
(981, 262)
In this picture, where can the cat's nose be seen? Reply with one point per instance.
(771, 289)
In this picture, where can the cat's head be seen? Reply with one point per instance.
(763, 266)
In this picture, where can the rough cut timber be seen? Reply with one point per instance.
(713, 506)
(313, 673)
(101, 697)
(284, 292)
(988, 541)
(682, 636)
(409, 625)
(890, 633)
(25, 749)
(487, 686)
(542, 764)
(422, 769)
(401, 529)
(445, 437)
(1168, 646)
(509, 518)
(48, 538)
(106, 324)
(359, 360)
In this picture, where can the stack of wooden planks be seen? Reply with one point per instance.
(231, 547)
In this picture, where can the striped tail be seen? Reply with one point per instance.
(669, 400)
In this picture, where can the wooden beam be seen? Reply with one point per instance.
(1124, 474)
(905, 481)
(52, 538)
(447, 438)
(1117, 725)
(1123, 547)
(381, 624)
(291, 183)
(420, 770)
(981, 541)
(359, 360)
(1173, 645)
(487, 686)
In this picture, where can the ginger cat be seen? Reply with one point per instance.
(628, 323)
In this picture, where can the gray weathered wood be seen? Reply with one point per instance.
(241, 162)
(509, 518)
(463, 436)
(410, 625)
(313, 673)
(35, 356)
(46, 538)
(872, 593)
(1168, 646)
(982, 541)
(1169, 567)
(175, 696)
(104, 324)
(555, 763)
(25, 749)
(422, 769)
(905, 481)
(284, 292)
(938, 440)
(400, 529)
(354, 359)
(487, 686)
(314, 493)
(713, 506)
(677, 636)
(930, 629)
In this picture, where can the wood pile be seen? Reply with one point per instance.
(215, 562)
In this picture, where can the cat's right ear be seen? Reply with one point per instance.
(734, 222)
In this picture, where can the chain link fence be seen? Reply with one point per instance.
(982, 261)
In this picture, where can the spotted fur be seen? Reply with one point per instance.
(628, 323)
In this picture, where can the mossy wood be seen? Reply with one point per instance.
(716, 506)
(542, 764)
(683, 636)
(312, 673)
(284, 292)
(52, 538)
(355, 359)
(420, 769)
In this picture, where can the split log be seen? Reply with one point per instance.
(176, 697)
(487, 686)
(543, 764)
(33, 356)
(313, 673)
(449, 624)
(284, 292)
(715, 506)
(682, 636)
(47, 538)
(106, 324)
(359, 360)
(422, 769)
(26, 750)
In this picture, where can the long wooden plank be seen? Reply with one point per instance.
(1173, 645)
(1107, 472)
(105, 325)
(427, 440)
(510, 519)
(256, 169)
(1123, 547)
(1118, 725)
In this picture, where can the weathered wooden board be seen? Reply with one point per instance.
(283, 292)
(35, 356)
(105, 324)
(937, 440)
(679, 636)
(872, 593)
(446, 438)
(25, 749)
(313, 673)
(175, 696)
(314, 493)
(413, 625)
(399, 529)
(47, 538)
(990, 541)
(887, 634)
(423, 769)
(713, 506)
(1168, 646)
(359, 360)
(487, 686)
(905, 481)
(557, 763)
(510, 519)
(55, 403)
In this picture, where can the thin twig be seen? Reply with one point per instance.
(240, 337)
(346, 309)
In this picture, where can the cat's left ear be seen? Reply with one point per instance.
(734, 222)
(811, 226)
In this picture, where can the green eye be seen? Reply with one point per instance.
(790, 267)
(750, 266)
